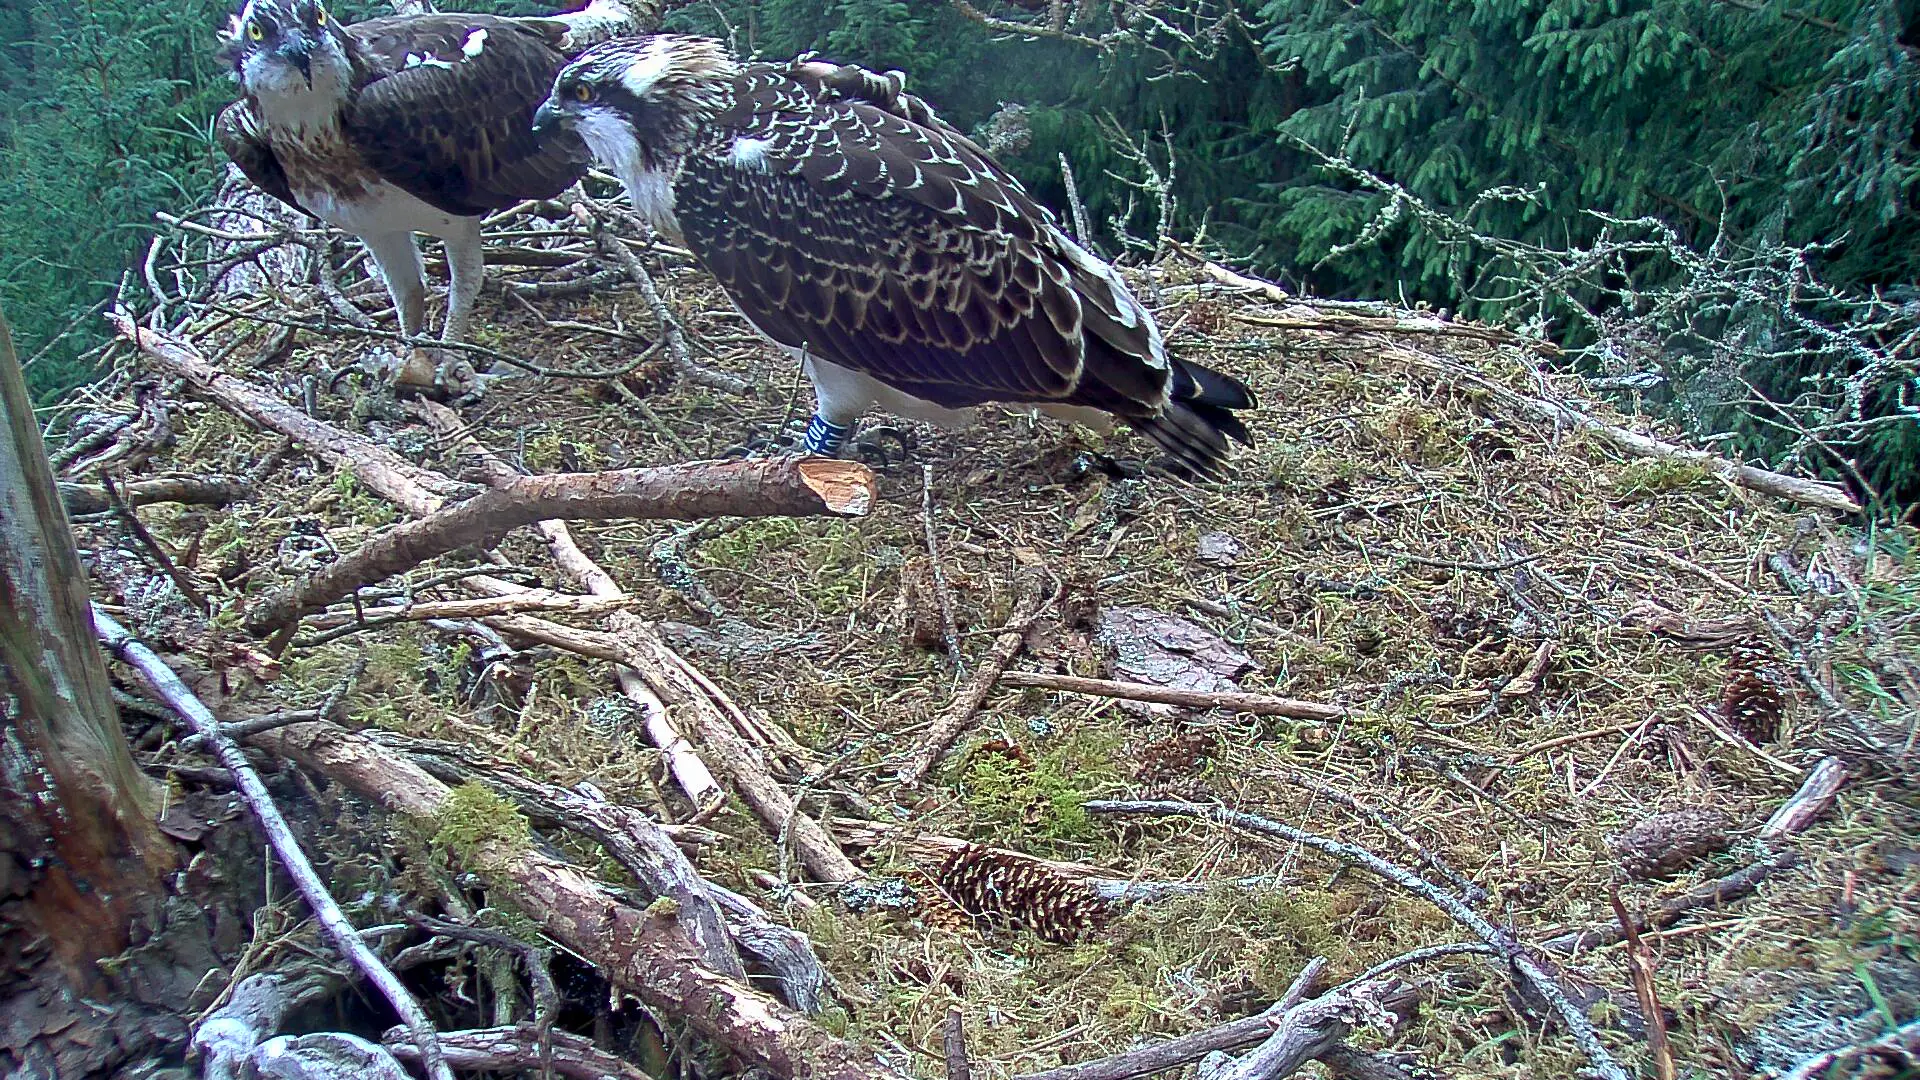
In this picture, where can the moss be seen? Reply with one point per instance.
(1421, 435)
(1043, 796)
(1647, 477)
(475, 825)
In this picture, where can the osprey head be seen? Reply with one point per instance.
(639, 102)
(282, 46)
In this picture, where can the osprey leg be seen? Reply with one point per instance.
(466, 271)
(398, 258)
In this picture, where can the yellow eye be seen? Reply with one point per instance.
(583, 93)
(254, 33)
(319, 16)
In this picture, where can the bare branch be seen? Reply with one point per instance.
(334, 921)
(767, 487)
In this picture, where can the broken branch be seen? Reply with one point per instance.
(392, 477)
(647, 953)
(767, 487)
(192, 490)
(517, 1049)
(1537, 976)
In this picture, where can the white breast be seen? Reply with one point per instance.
(383, 209)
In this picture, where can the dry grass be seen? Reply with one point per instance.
(1361, 461)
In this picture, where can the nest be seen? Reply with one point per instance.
(1403, 543)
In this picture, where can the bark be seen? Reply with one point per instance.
(81, 872)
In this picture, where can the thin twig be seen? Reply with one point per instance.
(152, 547)
(1259, 704)
(943, 595)
(1903, 1040)
(959, 715)
(537, 959)
(1541, 980)
(1640, 969)
(953, 1040)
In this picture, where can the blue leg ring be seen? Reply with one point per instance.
(824, 437)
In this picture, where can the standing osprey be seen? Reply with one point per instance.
(902, 264)
(400, 125)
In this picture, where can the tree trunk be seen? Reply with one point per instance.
(80, 858)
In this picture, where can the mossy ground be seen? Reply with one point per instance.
(1361, 462)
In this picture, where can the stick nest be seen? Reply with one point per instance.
(1486, 594)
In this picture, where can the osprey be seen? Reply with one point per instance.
(899, 262)
(393, 126)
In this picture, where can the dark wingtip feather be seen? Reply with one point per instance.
(1205, 386)
(1199, 419)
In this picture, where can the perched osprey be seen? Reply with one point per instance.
(400, 125)
(903, 265)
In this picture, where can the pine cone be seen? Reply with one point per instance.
(1176, 755)
(1751, 700)
(1667, 843)
(939, 912)
(1021, 893)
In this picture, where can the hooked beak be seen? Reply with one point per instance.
(299, 52)
(546, 119)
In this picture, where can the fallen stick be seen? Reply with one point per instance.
(1292, 1008)
(1261, 704)
(1780, 485)
(1640, 969)
(414, 489)
(936, 571)
(765, 487)
(960, 713)
(1903, 1040)
(1520, 686)
(191, 490)
(1815, 796)
(1537, 976)
(1308, 1030)
(645, 953)
(1796, 815)
(689, 772)
(670, 329)
(516, 1049)
(743, 764)
(953, 1040)
(1343, 323)
(638, 645)
(1740, 883)
(325, 911)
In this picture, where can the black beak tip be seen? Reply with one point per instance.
(544, 121)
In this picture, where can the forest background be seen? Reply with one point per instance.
(1708, 203)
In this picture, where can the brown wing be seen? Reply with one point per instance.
(240, 138)
(900, 250)
(448, 113)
